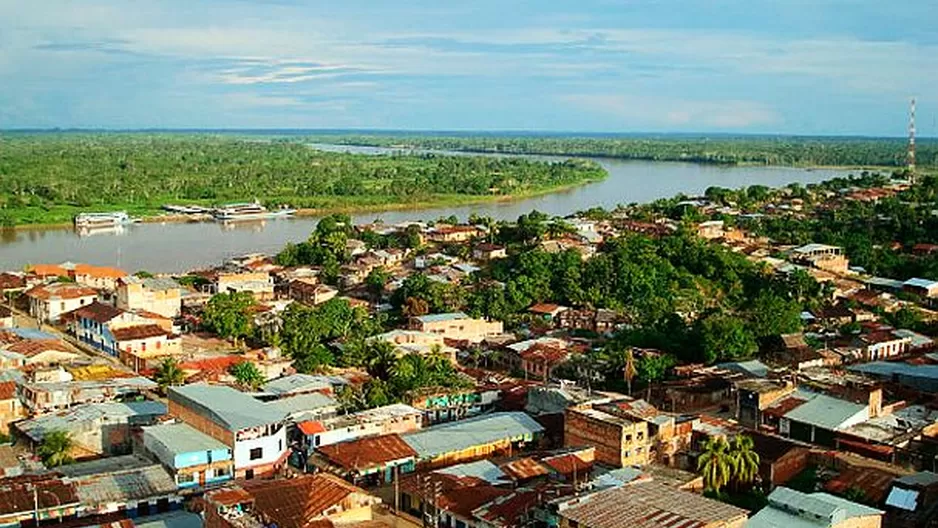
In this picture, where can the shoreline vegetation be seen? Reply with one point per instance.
(46, 179)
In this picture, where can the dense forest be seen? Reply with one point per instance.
(782, 150)
(47, 178)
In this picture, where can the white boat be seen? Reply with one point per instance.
(186, 209)
(248, 211)
(103, 220)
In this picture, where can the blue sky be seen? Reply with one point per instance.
(749, 66)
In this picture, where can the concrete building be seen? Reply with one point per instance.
(791, 508)
(258, 284)
(391, 419)
(97, 277)
(130, 484)
(160, 296)
(42, 396)
(96, 429)
(11, 409)
(255, 432)
(619, 441)
(48, 302)
(417, 342)
(193, 458)
(457, 326)
(753, 396)
(310, 291)
(139, 344)
(821, 256)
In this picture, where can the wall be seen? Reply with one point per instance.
(274, 447)
(167, 303)
(617, 445)
(201, 423)
(51, 311)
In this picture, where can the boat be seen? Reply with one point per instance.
(103, 220)
(186, 209)
(248, 211)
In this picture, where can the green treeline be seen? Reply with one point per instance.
(782, 150)
(49, 178)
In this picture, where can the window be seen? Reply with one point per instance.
(158, 345)
(249, 474)
(257, 453)
(222, 472)
(185, 478)
(316, 440)
(279, 445)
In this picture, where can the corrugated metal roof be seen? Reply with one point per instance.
(793, 509)
(436, 318)
(298, 383)
(181, 438)
(921, 283)
(302, 403)
(227, 407)
(482, 430)
(826, 412)
(903, 499)
(88, 415)
(126, 486)
(483, 470)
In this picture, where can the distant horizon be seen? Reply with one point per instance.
(454, 133)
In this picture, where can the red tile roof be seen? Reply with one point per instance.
(7, 390)
(509, 511)
(464, 501)
(34, 347)
(570, 463)
(541, 353)
(7, 337)
(311, 427)
(47, 270)
(60, 290)
(544, 308)
(99, 272)
(9, 281)
(17, 496)
(365, 453)
(297, 502)
(134, 333)
(97, 312)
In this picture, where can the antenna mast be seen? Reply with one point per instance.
(911, 154)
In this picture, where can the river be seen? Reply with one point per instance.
(177, 247)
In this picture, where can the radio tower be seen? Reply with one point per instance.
(911, 155)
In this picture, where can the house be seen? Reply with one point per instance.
(96, 428)
(818, 419)
(486, 251)
(619, 441)
(754, 396)
(192, 457)
(647, 504)
(440, 404)
(371, 460)
(310, 292)
(6, 317)
(710, 230)
(127, 485)
(924, 288)
(539, 360)
(303, 407)
(258, 284)
(396, 418)
(140, 343)
(297, 384)
(157, 295)
(452, 233)
(911, 501)
(788, 507)
(11, 409)
(456, 326)
(41, 396)
(307, 501)
(821, 256)
(45, 350)
(417, 342)
(780, 459)
(452, 496)
(45, 496)
(11, 283)
(600, 321)
(255, 432)
(48, 302)
(546, 311)
(97, 277)
(473, 438)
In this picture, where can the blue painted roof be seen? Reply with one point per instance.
(436, 318)
(32, 333)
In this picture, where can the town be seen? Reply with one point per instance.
(709, 361)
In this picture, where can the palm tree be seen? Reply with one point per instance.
(55, 449)
(248, 375)
(169, 374)
(628, 368)
(382, 356)
(715, 463)
(745, 460)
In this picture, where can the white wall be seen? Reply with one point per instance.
(242, 450)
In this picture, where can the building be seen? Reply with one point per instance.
(310, 292)
(417, 342)
(11, 409)
(474, 438)
(42, 351)
(547, 312)
(368, 461)
(258, 284)
(140, 343)
(453, 233)
(710, 230)
(396, 418)
(47, 497)
(818, 419)
(619, 441)
(540, 359)
(648, 504)
(6, 317)
(911, 501)
(48, 302)
(308, 501)
(791, 508)
(780, 459)
(457, 326)
(297, 384)
(445, 405)
(753, 396)
(922, 287)
(193, 458)
(821, 256)
(47, 396)
(97, 277)
(486, 251)
(96, 428)
(255, 432)
(157, 295)
(128, 485)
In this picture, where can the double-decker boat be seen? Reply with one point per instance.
(248, 211)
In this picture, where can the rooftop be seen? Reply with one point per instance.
(828, 412)
(387, 412)
(181, 438)
(921, 283)
(60, 291)
(296, 502)
(794, 509)
(97, 312)
(82, 416)
(302, 404)
(649, 504)
(369, 452)
(463, 434)
(225, 406)
(439, 318)
(483, 470)
(136, 332)
(125, 485)
(298, 383)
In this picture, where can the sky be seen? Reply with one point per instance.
(825, 67)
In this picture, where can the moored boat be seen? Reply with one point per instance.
(248, 211)
(103, 220)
